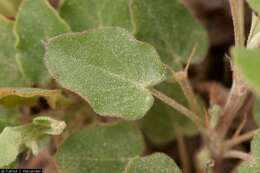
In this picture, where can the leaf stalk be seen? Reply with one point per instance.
(174, 104)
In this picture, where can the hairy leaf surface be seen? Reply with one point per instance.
(107, 148)
(107, 67)
(171, 29)
(10, 75)
(85, 14)
(110, 149)
(35, 23)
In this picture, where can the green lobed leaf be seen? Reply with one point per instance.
(85, 14)
(36, 22)
(247, 63)
(162, 123)
(9, 8)
(252, 166)
(254, 4)
(110, 149)
(107, 67)
(14, 140)
(10, 75)
(171, 29)
(10, 97)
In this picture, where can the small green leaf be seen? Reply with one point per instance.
(36, 22)
(161, 123)
(9, 8)
(51, 126)
(247, 63)
(10, 75)
(85, 14)
(11, 97)
(107, 67)
(14, 140)
(171, 29)
(254, 4)
(110, 149)
(252, 166)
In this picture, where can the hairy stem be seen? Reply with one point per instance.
(235, 100)
(172, 103)
(239, 90)
(189, 94)
(182, 78)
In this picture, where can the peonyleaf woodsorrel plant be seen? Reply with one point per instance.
(102, 86)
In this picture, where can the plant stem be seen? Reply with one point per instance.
(240, 127)
(186, 87)
(182, 78)
(172, 103)
(238, 91)
(189, 94)
(182, 150)
(238, 155)
(241, 17)
(235, 101)
(242, 138)
(237, 10)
